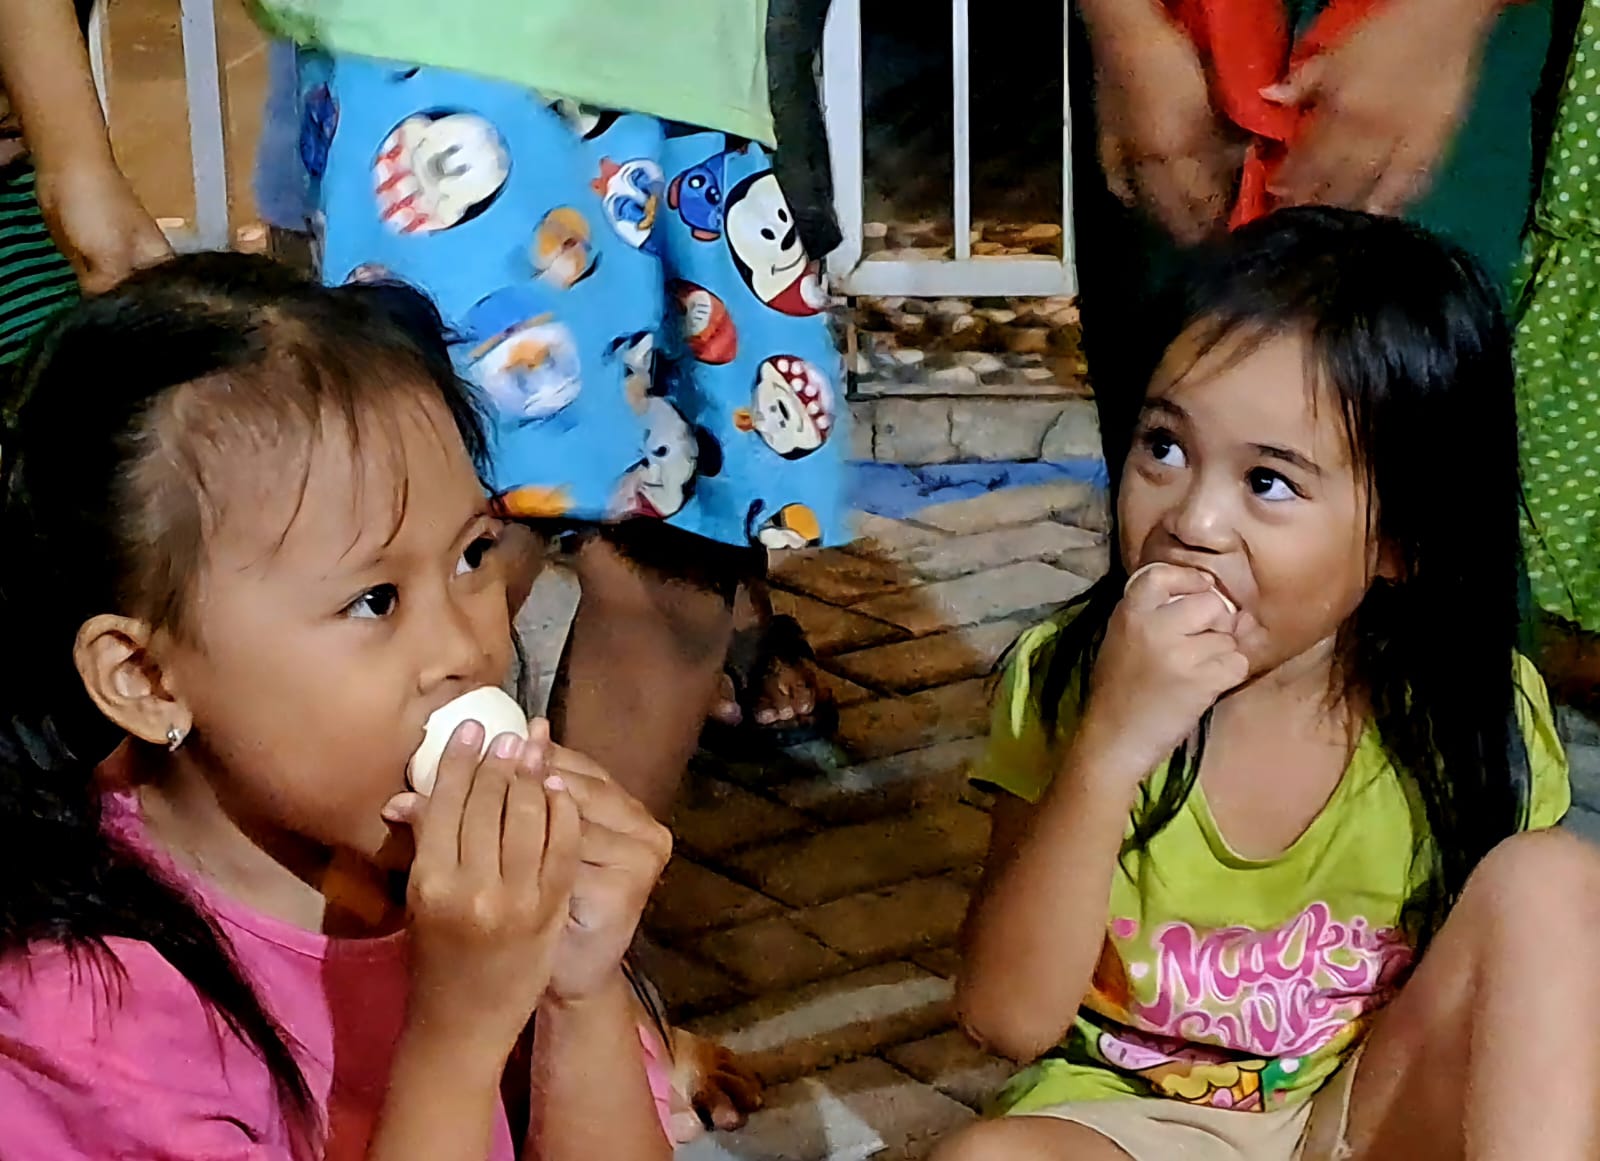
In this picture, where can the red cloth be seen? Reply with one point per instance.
(1244, 47)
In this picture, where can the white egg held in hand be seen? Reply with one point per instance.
(488, 705)
(1232, 608)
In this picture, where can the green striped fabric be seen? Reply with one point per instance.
(35, 280)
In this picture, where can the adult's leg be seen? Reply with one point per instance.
(1128, 269)
(645, 653)
(1028, 1139)
(1487, 1054)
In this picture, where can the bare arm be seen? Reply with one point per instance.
(87, 202)
(1169, 652)
(1163, 148)
(1119, 25)
(1043, 900)
(590, 1095)
(443, 1094)
(44, 67)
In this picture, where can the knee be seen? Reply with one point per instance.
(984, 1141)
(1541, 881)
(1004, 1139)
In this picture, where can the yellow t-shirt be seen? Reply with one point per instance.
(1233, 982)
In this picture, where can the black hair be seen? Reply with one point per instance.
(130, 404)
(1406, 336)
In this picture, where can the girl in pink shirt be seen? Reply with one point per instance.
(247, 553)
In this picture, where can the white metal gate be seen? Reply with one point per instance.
(964, 275)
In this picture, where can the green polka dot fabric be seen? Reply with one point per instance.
(1558, 352)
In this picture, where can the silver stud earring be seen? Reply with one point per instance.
(175, 738)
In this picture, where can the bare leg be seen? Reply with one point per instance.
(640, 672)
(1490, 1053)
(1028, 1139)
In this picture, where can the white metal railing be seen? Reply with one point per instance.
(208, 149)
(850, 270)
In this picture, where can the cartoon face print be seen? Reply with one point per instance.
(319, 119)
(696, 194)
(631, 194)
(791, 408)
(439, 169)
(792, 526)
(529, 370)
(708, 328)
(638, 354)
(766, 248)
(1187, 1072)
(660, 482)
(563, 254)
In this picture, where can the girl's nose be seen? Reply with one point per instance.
(1202, 519)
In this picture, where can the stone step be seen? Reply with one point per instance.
(942, 429)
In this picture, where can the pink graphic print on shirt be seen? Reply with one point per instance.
(1283, 992)
(1235, 998)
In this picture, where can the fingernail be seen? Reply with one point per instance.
(555, 783)
(469, 736)
(507, 745)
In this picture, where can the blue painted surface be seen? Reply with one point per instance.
(901, 490)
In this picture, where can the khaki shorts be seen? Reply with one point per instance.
(1165, 1130)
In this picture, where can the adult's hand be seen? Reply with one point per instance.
(1163, 147)
(98, 222)
(1384, 105)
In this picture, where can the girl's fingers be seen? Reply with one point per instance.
(438, 838)
(404, 808)
(600, 846)
(483, 817)
(607, 805)
(1157, 583)
(1204, 612)
(525, 833)
(562, 838)
(566, 760)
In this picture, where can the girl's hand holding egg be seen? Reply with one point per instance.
(622, 849)
(1171, 650)
(491, 885)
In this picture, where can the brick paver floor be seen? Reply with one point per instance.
(808, 918)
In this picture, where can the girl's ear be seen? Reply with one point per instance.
(124, 679)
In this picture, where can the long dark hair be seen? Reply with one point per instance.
(125, 404)
(1405, 332)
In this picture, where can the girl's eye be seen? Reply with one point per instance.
(377, 602)
(473, 556)
(1269, 485)
(1163, 447)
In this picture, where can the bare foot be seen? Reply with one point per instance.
(714, 1088)
(789, 694)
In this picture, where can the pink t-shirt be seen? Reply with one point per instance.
(152, 1076)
